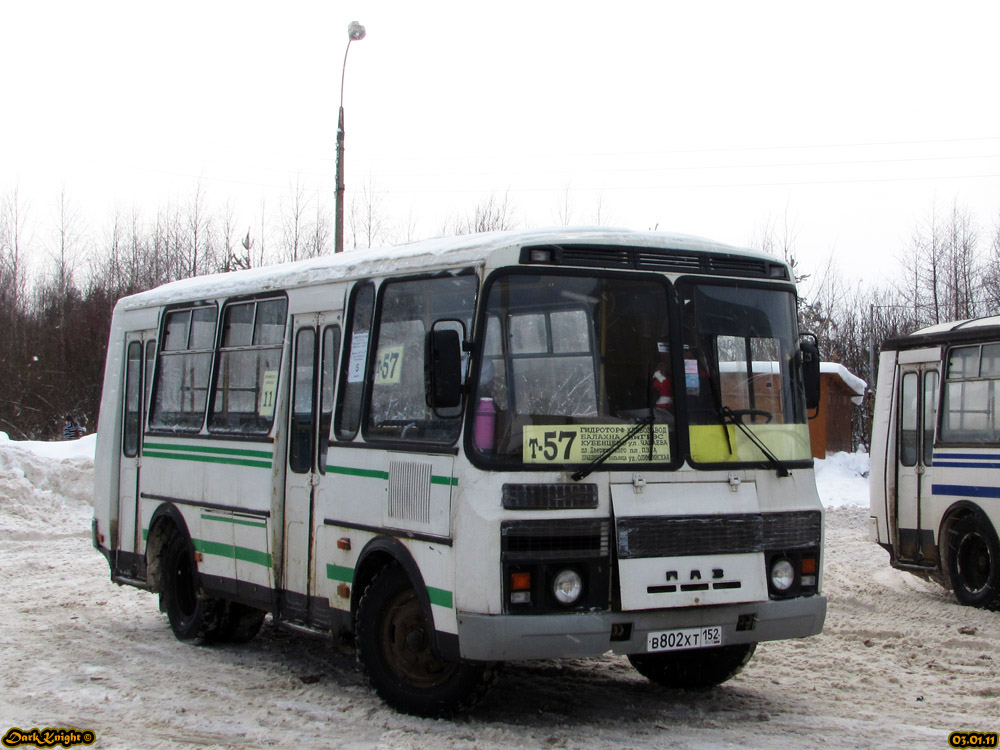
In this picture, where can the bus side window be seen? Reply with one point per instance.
(930, 414)
(908, 420)
(400, 407)
(246, 383)
(183, 370)
(328, 374)
(133, 394)
(300, 435)
(354, 366)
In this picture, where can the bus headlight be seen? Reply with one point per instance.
(567, 586)
(782, 574)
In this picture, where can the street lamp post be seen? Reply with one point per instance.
(355, 32)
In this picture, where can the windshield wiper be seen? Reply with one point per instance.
(736, 418)
(645, 421)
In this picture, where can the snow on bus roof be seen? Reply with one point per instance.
(956, 325)
(461, 249)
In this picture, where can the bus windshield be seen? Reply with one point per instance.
(582, 368)
(742, 374)
(568, 363)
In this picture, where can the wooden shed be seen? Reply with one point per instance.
(840, 392)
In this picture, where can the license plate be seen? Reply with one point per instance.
(684, 638)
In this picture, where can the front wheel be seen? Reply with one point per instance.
(974, 562)
(697, 669)
(393, 639)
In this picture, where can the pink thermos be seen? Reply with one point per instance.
(486, 419)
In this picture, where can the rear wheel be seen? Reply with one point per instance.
(697, 669)
(394, 645)
(974, 562)
(192, 615)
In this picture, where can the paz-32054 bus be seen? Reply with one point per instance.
(473, 450)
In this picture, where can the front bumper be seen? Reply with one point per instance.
(574, 635)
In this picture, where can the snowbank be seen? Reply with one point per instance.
(46, 488)
(842, 479)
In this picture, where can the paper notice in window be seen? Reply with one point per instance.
(582, 443)
(268, 393)
(356, 364)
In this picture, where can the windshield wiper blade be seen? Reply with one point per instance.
(728, 414)
(586, 471)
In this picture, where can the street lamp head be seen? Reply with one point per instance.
(356, 32)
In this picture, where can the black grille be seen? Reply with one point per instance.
(657, 259)
(554, 539)
(549, 496)
(717, 535)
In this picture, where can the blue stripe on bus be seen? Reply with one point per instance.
(962, 490)
(938, 462)
(973, 456)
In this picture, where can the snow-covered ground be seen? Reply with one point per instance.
(899, 663)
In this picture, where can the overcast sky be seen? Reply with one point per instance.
(849, 121)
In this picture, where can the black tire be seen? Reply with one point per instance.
(697, 669)
(974, 562)
(394, 647)
(193, 616)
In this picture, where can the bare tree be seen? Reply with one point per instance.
(68, 237)
(564, 207)
(602, 216)
(293, 223)
(492, 214)
(779, 241)
(944, 268)
(14, 243)
(368, 223)
(991, 272)
(197, 225)
(318, 242)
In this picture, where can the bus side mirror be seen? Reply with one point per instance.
(444, 368)
(809, 353)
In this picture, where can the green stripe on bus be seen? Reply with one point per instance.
(208, 449)
(352, 472)
(384, 475)
(231, 551)
(340, 573)
(237, 521)
(439, 597)
(210, 459)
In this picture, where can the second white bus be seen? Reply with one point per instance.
(935, 458)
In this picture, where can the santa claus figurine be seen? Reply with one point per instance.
(663, 384)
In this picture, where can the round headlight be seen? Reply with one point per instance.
(782, 575)
(567, 586)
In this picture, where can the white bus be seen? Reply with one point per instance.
(935, 484)
(469, 451)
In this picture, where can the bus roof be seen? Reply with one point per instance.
(953, 332)
(463, 249)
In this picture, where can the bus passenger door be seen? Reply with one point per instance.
(140, 349)
(917, 417)
(315, 349)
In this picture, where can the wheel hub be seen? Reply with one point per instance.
(974, 564)
(407, 646)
